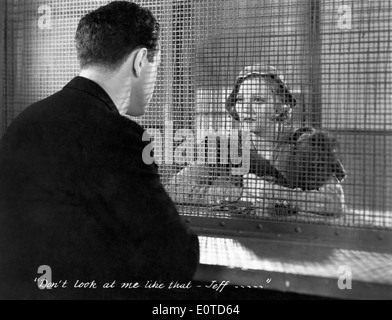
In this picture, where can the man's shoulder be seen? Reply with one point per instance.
(130, 124)
(130, 135)
(56, 103)
(63, 105)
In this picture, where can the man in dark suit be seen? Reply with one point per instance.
(75, 193)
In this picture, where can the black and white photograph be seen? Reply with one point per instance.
(196, 154)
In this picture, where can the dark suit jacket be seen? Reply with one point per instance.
(76, 195)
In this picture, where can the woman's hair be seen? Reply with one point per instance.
(105, 37)
(275, 83)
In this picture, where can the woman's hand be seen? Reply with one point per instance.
(194, 185)
(220, 194)
(203, 194)
(328, 200)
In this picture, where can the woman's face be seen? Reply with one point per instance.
(256, 106)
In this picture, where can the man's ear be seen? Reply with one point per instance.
(139, 61)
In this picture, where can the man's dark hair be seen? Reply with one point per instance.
(105, 37)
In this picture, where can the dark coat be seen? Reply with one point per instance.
(76, 195)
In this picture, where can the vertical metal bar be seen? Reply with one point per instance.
(309, 102)
(177, 52)
(3, 64)
(301, 67)
(314, 99)
(168, 37)
(182, 91)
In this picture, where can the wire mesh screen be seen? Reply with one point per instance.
(274, 110)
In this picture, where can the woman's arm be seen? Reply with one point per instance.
(328, 200)
(203, 184)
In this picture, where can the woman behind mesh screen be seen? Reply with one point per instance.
(290, 170)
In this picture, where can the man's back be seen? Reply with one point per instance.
(75, 195)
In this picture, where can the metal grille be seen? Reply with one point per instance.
(333, 55)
